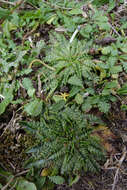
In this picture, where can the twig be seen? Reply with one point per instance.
(1, 96)
(8, 125)
(16, 5)
(29, 33)
(117, 171)
(57, 6)
(12, 188)
(39, 85)
(39, 61)
(114, 30)
(21, 173)
(74, 34)
(10, 181)
(7, 2)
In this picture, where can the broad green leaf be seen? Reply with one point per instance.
(51, 19)
(75, 81)
(15, 18)
(31, 92)
(104, 26)
(25, 185)
(4, 13)
(111, 84)
(57, 98)
(124, 49)
(0, 186)
(88, 28)
(106, 91)
(6, 101)
(100, 17)
(27, 83)
(123, 90)
(56, 179)
(105, 50)
(75, 11)
(37, 163)
(124, 107)
(79, 99)
(34, 108)
(6, 29)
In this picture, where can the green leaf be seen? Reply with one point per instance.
(31, 92)
(123, 90)
(75, 11)
(111, 84)
(123, 107)
(112, 4)
(6, 101)
(116, 69)
(53, 86)
(74, 90)
(38, 163)
(27, 83)
(124, 49)
(79, 99)
(105, 50)
(106, 91)
(57, 98)
(4, 13)
(86, 106)
(40, 181)
(50, 21)
(74, 180)
(6, 29)
(124, 65)
(104, 26)
(34, 108)
(88, 28)
(57, 106)
(25, 185)
(0, 186)
(56, 179)
(75, 81)
(104, 106)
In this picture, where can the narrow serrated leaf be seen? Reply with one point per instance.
(56, 179)
(74, 80)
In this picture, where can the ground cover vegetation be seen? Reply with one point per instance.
(63, 72)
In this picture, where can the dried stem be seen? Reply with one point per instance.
(39, 61)
(7, 2)
(118, 169)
